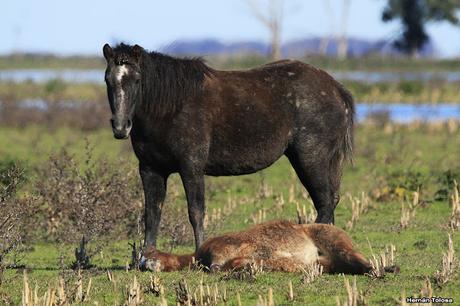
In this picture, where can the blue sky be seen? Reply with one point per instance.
(82, 27)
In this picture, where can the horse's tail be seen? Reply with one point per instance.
(343, 148)
(347, 142)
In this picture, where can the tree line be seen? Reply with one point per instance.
(412, 15)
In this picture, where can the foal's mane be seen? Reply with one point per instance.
(167, 82)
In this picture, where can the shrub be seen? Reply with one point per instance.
(94, 200)
(10, 229)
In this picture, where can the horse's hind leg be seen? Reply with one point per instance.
(312, 168)
(335, 175)
(234, 263)
(283, 264)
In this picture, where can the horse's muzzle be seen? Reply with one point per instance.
(121, 129)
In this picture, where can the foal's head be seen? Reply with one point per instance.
(123, 79)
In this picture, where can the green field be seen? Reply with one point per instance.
(366, 63)
(391, 162)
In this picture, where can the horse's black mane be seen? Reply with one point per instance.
(167, 82)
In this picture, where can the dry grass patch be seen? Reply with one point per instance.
(408, 213)
(454, 222)
(311, 272)
(304, 217)
(61, 294)
(202, 295)
(384, 262)
(359, 206)
(354, 297)
(448, 265)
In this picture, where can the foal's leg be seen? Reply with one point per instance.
(313, 172)
(194, 190)
(154, 185)
(272, 264)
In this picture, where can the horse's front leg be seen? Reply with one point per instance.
(154, 184)
(194, 190)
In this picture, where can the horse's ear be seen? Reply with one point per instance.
(137, 51)
(108, 52)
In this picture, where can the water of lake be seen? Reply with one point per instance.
(97, 76)
(45, 75)
(405, 113)
(396, 112)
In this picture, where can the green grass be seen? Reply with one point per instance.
(53, 90)
(382, 160)
(36, 61)
(367, 63)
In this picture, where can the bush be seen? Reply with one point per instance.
(11, 213)
(94, 200)
(80, 115)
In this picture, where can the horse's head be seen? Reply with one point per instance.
(152, 260)
(123, 79)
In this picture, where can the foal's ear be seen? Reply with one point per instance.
(137, 51)
(108, 52)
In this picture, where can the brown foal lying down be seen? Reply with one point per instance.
(277, 245)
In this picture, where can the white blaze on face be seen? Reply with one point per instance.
(121, 72)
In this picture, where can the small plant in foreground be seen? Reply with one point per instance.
(259, 217)
(56, 295)
(136, 255)
(427, 290)
(311, 272)
(290, 295)
(354, 298)
(303, 217)
(359, 206)
(155, 286)
(448, 265)
(202, 295)
(407, 213)
(81, 258)
(266, 301)
(454, 221)
(265, 191)
(134, 294)
(384, 262)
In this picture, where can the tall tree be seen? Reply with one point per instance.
(324, 43)
(341, 36)
(342, 46)
(414, 14)
(272, 18)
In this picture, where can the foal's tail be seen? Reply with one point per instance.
(347, 143)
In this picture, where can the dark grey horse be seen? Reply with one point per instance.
(185, 117)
